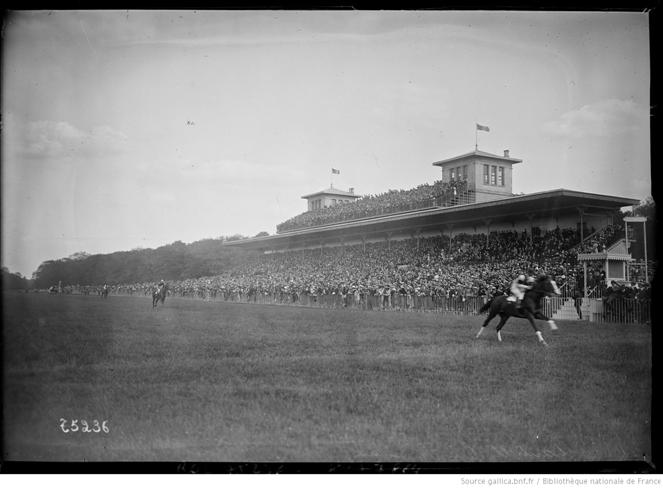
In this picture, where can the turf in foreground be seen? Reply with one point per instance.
(209, 381)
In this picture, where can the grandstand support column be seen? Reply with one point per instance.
(450, 228)
(644, 228)
(581, 211)
(530, 219)
(584, 273)
(487, 222)
(363, 242)
(626, 242)
(388, 238)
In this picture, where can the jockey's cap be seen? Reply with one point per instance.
(521, 277)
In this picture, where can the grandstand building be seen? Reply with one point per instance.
(481, 202)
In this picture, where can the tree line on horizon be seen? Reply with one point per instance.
(176, 261)
(14, 281)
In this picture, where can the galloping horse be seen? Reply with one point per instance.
(104, 292)
(159, 294)
(530, 308)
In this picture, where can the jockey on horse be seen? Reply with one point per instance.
(530, 307)
(159, 294)
(518, 288)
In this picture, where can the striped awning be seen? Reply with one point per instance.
(602, 256)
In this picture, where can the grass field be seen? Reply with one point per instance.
(212, 381)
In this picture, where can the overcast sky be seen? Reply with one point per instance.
(137, 129)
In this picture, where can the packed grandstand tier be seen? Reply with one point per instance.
(439, 194)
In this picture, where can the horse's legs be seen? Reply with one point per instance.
(490, 317)
(530, 317)
(551, 323)
(503, 318)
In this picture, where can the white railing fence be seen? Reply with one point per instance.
(617, 310)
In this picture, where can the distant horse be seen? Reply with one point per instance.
(104, 292)
(530, 307)
(159, 294)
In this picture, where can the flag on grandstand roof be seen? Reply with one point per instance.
(483, 127)
(336, 171)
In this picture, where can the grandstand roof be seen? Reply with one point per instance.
(333, 191)
(477, 153)
(552, 202)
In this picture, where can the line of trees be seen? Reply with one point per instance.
(176, 261)
(14, 281)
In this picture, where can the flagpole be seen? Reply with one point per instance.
(476, 138)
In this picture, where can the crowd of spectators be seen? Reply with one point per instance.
(615, 290)
(601, 240)
(465, 266)
(423, 196)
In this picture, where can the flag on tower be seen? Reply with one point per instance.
(483, 127)
(336, 171)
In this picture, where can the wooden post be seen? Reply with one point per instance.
(626, 238)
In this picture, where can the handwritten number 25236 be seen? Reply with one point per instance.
(84, 426)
